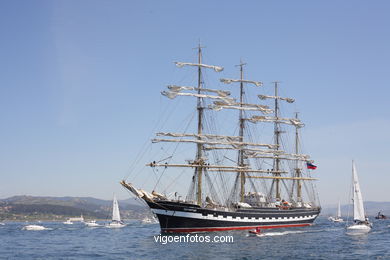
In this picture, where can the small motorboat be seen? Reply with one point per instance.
(115, 224)
(380, 216)
(149, 220)
(257, 231)
(68, 222)
(34, 227)
(92, 223)
(335, 219)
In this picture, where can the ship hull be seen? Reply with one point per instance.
(182, 217)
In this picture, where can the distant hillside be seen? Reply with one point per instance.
(372, 208)
(24, 199)
(61, 208)
(56, 208)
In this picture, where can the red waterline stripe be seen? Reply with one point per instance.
(188, 230)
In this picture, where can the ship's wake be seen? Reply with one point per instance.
(270, 234)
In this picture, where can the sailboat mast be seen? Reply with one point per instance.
(297, 169)
(277, 143)
(200, 118)
(241, 134)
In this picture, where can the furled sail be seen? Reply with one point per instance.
(218, 105)
(172, 95)
(358, 209)
(288, 121)
(291, 157)
(245, 150)
(258, 152)
(289, 100)
(228, 81)
(175, 88)
(203, 136)
(216, 68)
(234, 144)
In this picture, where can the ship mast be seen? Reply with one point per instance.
(199, 146)
(277, 144)
(297, 169)
(206, 141)
(241, 134)
(243, 106)
(279, 155)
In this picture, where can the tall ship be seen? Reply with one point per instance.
(236, 179)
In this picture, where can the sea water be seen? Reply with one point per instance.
(324, 240)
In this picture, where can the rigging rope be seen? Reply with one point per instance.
(176, 147)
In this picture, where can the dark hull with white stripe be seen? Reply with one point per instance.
(182, 217)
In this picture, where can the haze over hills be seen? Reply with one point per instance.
(68, 200)
(59, 208)
(371, 207)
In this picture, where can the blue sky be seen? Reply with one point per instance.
(80, 84)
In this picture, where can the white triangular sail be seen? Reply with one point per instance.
(115, 211)
(338, 211)
(358, 209)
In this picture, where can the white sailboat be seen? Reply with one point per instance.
(116, 217)
(361, 223)
(338, 216)
(70, 221)
(149, 220)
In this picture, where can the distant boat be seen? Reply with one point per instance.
(34, 227)
(338, 216)
(91, 223)
(380, 216)
(149, 220)
(116, 221)
(80, 219)
(71, 220)
(361, 223)
(256, 232)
